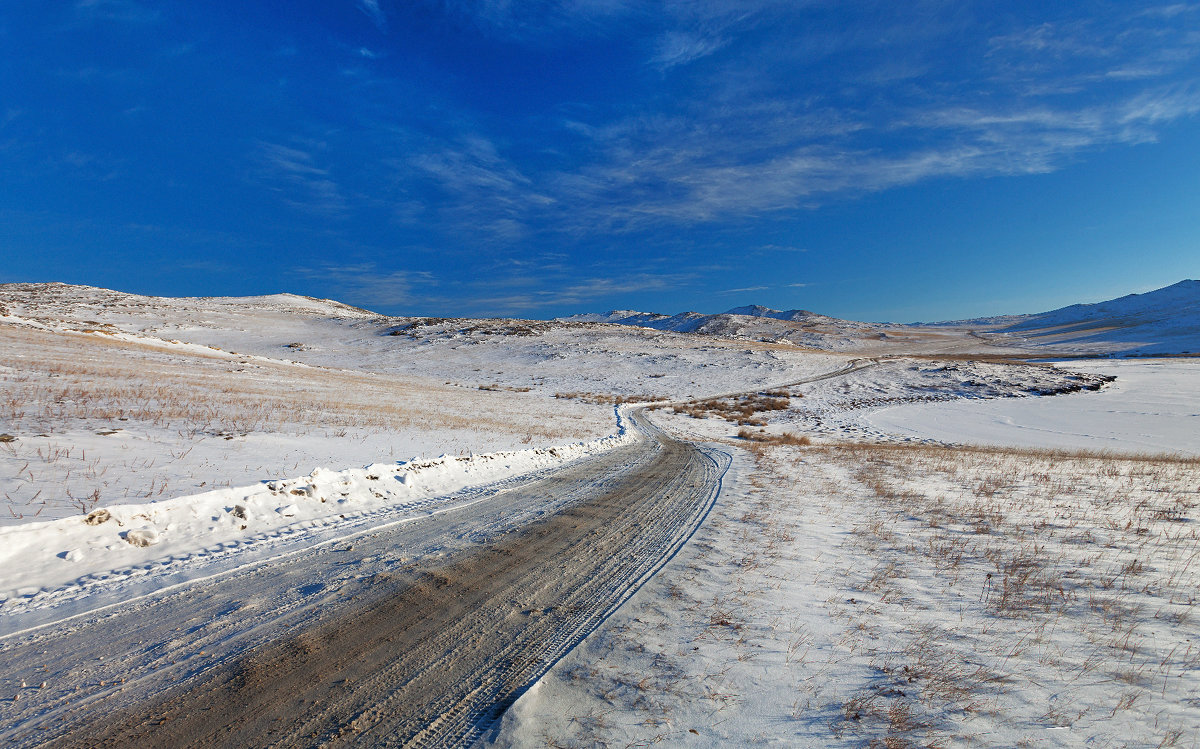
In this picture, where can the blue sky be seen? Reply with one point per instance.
(870, 160)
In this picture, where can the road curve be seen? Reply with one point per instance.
(419, 655)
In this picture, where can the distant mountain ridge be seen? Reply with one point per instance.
(1167, 304)
(684, 319)
(1163, 321)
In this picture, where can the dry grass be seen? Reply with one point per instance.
(64, 379)
(743, 410)
(165, 400)
(609, 398)
(1013, 578)
(918, 596)
(765, 438)
(496, 388)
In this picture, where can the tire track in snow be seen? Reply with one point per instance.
(409, 656)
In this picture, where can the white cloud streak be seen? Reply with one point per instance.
(577, 293)
(122, 11)
(374, 12)
(293, 173)
(682, 47)
(768, 112)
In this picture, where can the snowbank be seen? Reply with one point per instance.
(39, 558)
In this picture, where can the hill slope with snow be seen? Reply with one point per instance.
(756, 323)
(1163, 321)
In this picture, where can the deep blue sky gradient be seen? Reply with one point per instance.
(871, 160)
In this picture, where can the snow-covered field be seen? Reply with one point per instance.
(48, 562)
(859, 582)
(904, 596)
(1153, 406)
(542, 358)
(92, 421)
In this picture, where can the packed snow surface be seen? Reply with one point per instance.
(875, 595)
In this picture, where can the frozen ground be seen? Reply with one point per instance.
(1153, 406)
(886, 593)
(52, 561)
(842, 407)
(142, 411)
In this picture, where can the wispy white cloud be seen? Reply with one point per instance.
(650, 173)
(539, 21)
(681, 47)
(293, 172)
(477, 185)
(374, 12)
(769, 111)
(366, 285)
(1051, 39)
(1044, 95)
(122, 11)
(576, 292)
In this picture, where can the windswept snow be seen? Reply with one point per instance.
(93, 420)
(754, 323)
(548, 358)
(877, 595)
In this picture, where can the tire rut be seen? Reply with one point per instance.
(433, 656)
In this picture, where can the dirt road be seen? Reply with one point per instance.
(353, 645)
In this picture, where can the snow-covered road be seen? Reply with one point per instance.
(351, 641)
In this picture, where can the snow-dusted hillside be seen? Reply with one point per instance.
(1169, 306)
(61, 301)
(1164, 321)
(758, 323)
(541, 357)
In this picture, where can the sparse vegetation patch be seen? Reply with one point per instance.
(743, 410)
